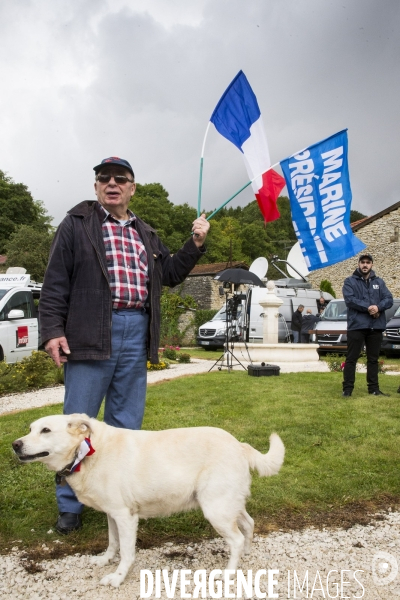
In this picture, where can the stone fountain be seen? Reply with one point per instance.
(270, 351)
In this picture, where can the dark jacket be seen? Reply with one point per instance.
(323, 306)
(297, 320)
(76, 300)
(359, 294)
(308, 322)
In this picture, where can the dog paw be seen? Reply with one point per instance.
(100, 561)
(114, 579)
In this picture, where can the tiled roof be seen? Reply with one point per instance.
(355, 223)
(214, 268)
(359, 224)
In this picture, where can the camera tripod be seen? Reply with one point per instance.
(227, 358)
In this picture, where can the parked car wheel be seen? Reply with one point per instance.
(391, 354)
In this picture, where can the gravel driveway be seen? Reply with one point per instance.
(362, 560)
(355, 557)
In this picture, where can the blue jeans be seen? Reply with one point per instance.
(296, 336)
(121, 379)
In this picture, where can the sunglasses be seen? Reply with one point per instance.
(119, 179)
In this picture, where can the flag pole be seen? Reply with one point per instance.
(201, 171)
(241, 190)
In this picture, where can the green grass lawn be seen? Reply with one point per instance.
(338, 451)
(204, 354)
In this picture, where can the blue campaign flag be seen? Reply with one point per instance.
(318, 183)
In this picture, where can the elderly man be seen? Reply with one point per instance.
(367, 298)
(100, 305)
(308, 322)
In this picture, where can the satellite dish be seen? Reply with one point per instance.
(296, 259)
(259, 267)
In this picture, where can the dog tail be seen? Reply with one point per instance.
(270, 463)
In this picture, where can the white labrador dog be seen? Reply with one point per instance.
(142, 474)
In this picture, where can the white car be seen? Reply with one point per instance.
(19, 331)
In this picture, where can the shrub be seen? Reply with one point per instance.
(334, 362)
(184, 358)
(60, 375)
(326, 286)
(170, 353)
(381, 364)
(172, 306)
(160, 367)
(381, 367)
(32, 372)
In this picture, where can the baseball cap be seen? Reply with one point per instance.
(114, 160)
(369, 256)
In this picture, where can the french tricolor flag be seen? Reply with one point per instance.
(238, 118)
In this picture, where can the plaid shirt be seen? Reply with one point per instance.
(126, 262)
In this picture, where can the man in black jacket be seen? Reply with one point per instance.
(100, 305)
(367, 298)
(297, 320)
(308, 322)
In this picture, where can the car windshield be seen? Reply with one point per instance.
(397, 313)
(221, 314)
(3, 293)
(335, 311)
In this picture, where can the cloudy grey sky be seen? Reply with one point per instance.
(87, 79)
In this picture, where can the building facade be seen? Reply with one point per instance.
(380, 233)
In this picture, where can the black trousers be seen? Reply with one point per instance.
(356, 339)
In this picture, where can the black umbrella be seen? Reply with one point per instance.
(238, 276)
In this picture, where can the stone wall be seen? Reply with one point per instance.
(185, 323)
(382, 239)
(204, 289)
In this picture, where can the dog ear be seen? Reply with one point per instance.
(78, 424)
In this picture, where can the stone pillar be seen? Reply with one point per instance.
(271, 304)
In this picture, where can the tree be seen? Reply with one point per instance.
(326, 286)
(29, 247)
(151, 204)
(256, 238)
(173, 222)
(223, 241)
(254, 243)
(17, 207)
(182, 218)
(355, 215)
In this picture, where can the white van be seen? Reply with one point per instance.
(19, 331)
(249, 323)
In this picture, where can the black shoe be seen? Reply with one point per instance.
(378, 393)
(398, 391)
(68, 522)
(346, 393)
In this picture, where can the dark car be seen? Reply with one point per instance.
(331, 329)
(391, 336)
